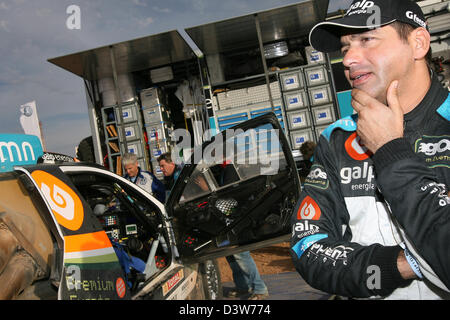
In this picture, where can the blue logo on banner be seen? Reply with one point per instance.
(300, 247)
(18, 149)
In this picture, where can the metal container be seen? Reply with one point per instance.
(320, 95)
(132, 132)
(156, 114)
(161, 74)
(130, 113)
(157, 170)
(298, 137)
(152, 97)
(316, 76)
(314, 56)
(292, 80)
(298, 119)
(158, 132)
(295, 100)
(135, 147)
(319, 130)
(323, 114)
(158, 148)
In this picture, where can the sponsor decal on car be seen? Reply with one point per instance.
(64, 202)
(172, 282)
(120, 288)
(91, 269)
(183, 291)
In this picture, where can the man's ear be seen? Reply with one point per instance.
(420, 38)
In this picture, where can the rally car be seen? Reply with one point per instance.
(79, 231)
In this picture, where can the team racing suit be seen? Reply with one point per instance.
(345, 238)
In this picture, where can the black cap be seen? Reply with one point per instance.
(364, 14)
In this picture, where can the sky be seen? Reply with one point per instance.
(31, 32)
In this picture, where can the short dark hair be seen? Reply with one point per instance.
(307, 149)
(404, 30)
(165, 156)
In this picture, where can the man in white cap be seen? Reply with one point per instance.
(373, 220)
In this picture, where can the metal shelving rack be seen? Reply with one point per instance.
(132, 127)
(111, 135)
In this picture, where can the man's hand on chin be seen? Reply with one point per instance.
(377, 123)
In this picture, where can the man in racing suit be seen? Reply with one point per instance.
(363, 205)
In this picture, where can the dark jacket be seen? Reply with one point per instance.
(345, 239)
(169, 181)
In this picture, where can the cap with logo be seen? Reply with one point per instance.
(325, 36)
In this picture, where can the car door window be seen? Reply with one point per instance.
(258, 152)
(246, 155)
(242, 190)
(199, 183)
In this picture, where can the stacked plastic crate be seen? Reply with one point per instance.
(157, 125)
(308, 99)
(123, 133)
(134, 134)
(296, 103)
(320, 91)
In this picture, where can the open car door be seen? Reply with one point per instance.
(236, 193)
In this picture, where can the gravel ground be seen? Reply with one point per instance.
(270, 260)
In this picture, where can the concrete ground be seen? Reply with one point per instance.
(284, 286)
